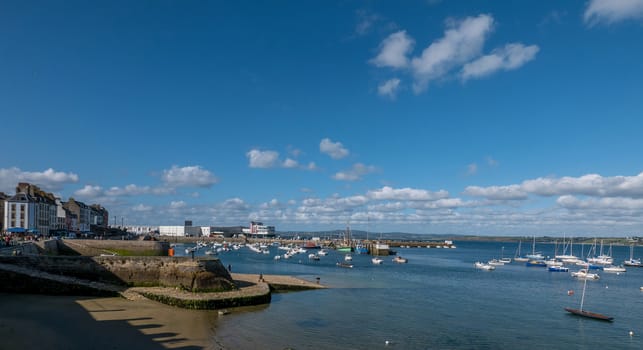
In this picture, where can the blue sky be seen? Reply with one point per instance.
(485, 117)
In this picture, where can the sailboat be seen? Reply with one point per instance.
(534, 254)
(585, 313)
(631, 261)
(519, 257)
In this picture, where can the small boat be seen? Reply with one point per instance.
(400, 260)
(348, 257)
(583, 274)
(313, 256)
(558, 269)
(322, 252)
(344, 264)
(377, 260)
(585, 313)
(589, 314)
(535, 263)
(614, 269)
(495, 262)
(483, 266)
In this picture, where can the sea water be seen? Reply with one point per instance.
(437, 300)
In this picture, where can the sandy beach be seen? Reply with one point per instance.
(63, 322)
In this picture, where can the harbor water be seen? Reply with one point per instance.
(437, 300)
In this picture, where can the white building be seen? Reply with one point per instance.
(180, 231)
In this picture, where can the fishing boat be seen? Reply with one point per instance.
(585, 313)
(346, 246)
(376, 260)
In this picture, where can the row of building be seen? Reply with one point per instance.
(34, 211)
(256, 229)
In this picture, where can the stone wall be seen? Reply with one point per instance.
(205, 275)
(94, 247)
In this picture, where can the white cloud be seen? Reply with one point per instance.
(142, 208)
(511, 56)
(355, 173)
(394, 50)
(262, 159)
(177, 204)
(462, 41)
(572, 202)
(189, 176)
(290, 163)
(612, 11)
(593, 185)
(406, 194)
(389, 88)
(48, 180)
(511, 192)
(89, 191)
(334, 149)
(311, 166)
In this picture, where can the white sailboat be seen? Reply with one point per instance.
(519, 257)
(631, 261)
(534, 254)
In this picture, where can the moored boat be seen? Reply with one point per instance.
(345, 265)
(483, 266)
(589, 314)
(558, 269)
(585, 313)
(583, 274)
(400, 260)
(376, 260)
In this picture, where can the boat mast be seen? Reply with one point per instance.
(582, 298)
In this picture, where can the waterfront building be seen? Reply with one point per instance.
(258, 229)
(3, 200)
(34, 211)
(81, 212)
(30, 210)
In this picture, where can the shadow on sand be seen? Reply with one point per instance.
(68, 322)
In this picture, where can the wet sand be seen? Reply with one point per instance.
(62, 322)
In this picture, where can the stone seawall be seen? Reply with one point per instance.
(93, 247)
(204, 275)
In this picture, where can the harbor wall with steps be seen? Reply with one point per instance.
(201, 275)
